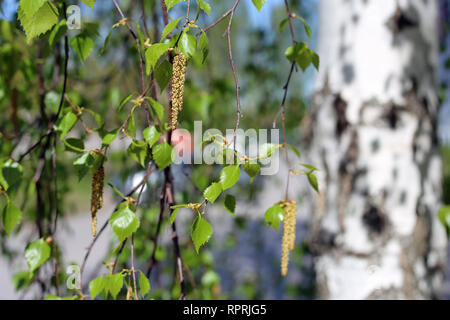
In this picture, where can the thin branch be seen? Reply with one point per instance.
(282, 109)
(236, 80)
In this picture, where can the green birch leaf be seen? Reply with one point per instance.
(83, 45)
(151, 135)
(40, 22)
(114, 283)
(201, 232)
(158, 108)
(90, 3)
(171, 3)
(252, 169)
(170, 27)
(213, 192)
(205, 6)
(30, 7)
(163, 74)
(313, 181)
(97, 286)
(230, 176)
(152, 55)
(204, 45)
(230, 204)
(173, 215)
(36, 254)
(162, 154)
(144, 284)
(259, 4)
(138, 151)
(124, 222)
(187, 44)
(274, 216)
(67, 123)
(12, 216)
(109, 137)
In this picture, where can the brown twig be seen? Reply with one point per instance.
(282, 109)
(236, 80)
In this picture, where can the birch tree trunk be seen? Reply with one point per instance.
(372, 132)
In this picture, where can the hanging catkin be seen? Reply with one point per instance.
(178, 78)
(289, 226)
(97, 196)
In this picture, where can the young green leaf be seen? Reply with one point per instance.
(267, 149)
(57, 32)
(11, 217)
(131, 126)
(213, 192)
(274, 216)
(89, 3)
(109, 137)
(170, 27)
(230, 204)
(124, 222)
(294, 149)
(138, 151)
(301, 54)
(204, 45)
(173, 215)
(151, 135)
(30, 7)
(283, 23)
(252, 169)
(163, 74)
(10, 174)
(114, 283)
(97, 286)
(162, 154)
(313, 181)
(305, 24)
(67, 123)
(444, 216)
(205, 6)
(124, 101)
(188, 44)
(144, 284)
(152, 55)
(230, 176)
(36, 254)
(158, 108)
(171, 3)
(315, 60)
(201, 232)
(82, 164)
(259, 4)
(83, 45)
(40, 22)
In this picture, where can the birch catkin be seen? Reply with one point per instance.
(97, 196)
(289, 228)
(178, 78)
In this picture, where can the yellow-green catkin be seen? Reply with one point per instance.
(178, 78)
(289, 228)
(97, 196)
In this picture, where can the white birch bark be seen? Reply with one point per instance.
(372, 131)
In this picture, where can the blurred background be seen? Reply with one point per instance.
(375, 120)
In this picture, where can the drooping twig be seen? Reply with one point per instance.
(236, 80)
(282, 109)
